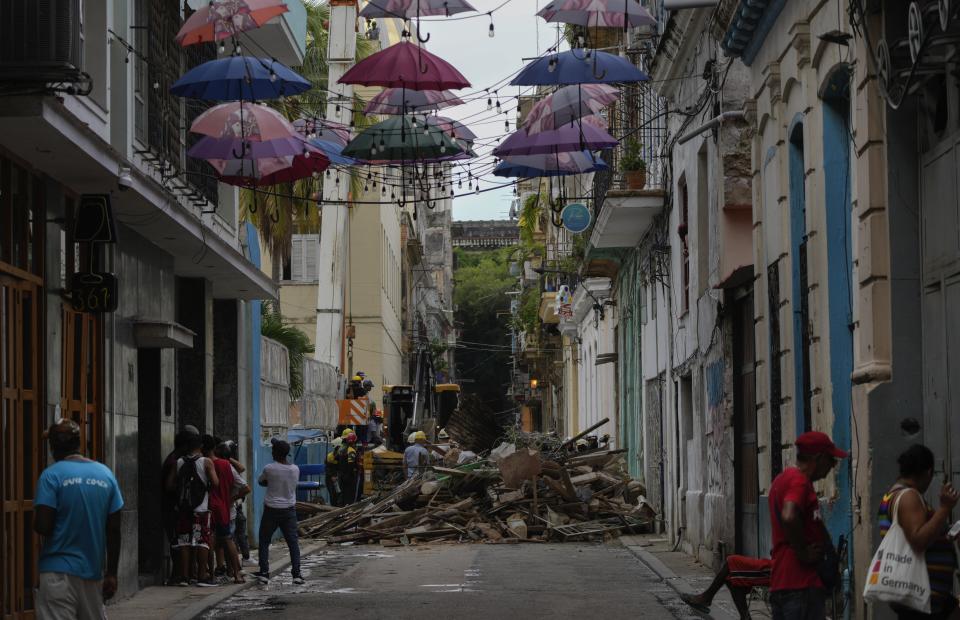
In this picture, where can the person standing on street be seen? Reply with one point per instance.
(168, 498)
(77, 511)
(192, 480)
(800, 538)
(924, 528)
(279, 510)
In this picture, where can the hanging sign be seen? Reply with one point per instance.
(576, 217)
(94, 292)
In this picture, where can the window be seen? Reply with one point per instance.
(703, 221)
(643, 304)
(93, 48)
(304, 253)
(139, 27)
(683, 233)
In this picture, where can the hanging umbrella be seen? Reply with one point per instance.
(240, 78)
(596, 121)
(568, 138)
(247, 172)
(221, 19)
(407, 9)
(402, 101)
(321, 129)
(598, 13)
(333, 152)
(568, 104)
(454, 129)
(244, 120)
(406, 66)
(399, 139)
(238, 148)
(579, 67)
(549, 165)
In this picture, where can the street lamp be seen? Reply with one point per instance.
(533, 383)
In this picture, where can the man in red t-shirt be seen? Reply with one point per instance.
(799, 535)
(220, 498)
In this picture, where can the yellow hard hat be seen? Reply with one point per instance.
(419, 435)
(346, 432)
(357, 378)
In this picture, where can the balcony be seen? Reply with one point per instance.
(548, 309)
(283, 38)
(625, 217)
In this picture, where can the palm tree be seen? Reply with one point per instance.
(297, 343)
(276, 215)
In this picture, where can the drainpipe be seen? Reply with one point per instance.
(714, 122)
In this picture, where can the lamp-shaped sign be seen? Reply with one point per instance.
(533, 383)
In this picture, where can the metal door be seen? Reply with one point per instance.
(940, 243)
(745, 428)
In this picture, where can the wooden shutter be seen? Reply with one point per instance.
(296, 258)
(311, 252)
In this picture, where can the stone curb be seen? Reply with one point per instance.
(679, 584)
(224, 592)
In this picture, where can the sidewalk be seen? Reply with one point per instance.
(684, 574)
(174, 603)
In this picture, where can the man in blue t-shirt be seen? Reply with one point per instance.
(77, 511)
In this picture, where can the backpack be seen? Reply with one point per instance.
(191, 489)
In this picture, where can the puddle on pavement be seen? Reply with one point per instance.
(320, 571)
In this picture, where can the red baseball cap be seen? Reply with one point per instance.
(815, 442)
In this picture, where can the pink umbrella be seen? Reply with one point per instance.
(402, 101)
(568, 104)
(244, 120)
(414, 8)
(407, 66)
(221, 19)
(598, 13)
(596, 121)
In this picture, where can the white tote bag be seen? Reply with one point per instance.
(898, 574)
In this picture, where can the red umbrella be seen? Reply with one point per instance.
(405, 65)
(271, 171)
(225, 18)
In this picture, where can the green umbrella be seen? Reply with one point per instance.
(401, 138)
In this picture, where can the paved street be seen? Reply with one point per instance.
(463, 582)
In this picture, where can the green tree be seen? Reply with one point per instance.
(482, 281)
(297, 343)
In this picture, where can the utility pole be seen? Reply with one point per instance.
(334, 241)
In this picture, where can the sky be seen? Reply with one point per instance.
(485, 61)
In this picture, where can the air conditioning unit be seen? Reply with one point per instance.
(40, 41)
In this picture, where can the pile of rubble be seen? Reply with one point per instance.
(511, 496)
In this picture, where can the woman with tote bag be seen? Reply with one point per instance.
(914, 535)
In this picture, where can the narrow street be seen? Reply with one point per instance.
(465, 581)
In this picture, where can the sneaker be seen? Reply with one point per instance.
(249, 562)
(208, 583)
(221, 570)
(263, 578)
(298, 581)
(183, 583)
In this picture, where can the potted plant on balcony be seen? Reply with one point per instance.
(632, 165)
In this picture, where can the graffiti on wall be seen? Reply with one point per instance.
(716, 426)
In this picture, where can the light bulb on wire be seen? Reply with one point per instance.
(490, 31)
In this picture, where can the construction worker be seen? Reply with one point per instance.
(345, 460)
(374, 422)
(330, 475)
(416, 457)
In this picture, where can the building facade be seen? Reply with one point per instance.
(97, 190)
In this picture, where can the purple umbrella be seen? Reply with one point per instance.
(235, 148)
(549, 165)
(568, 104)
(565, 139)
(320, 129)
(403, 101)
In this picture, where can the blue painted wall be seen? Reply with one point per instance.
(255, 504)
(836, 164)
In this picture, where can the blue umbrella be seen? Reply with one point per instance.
(334, 152)
(240, 78)
(546, 165)
(579, 66)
